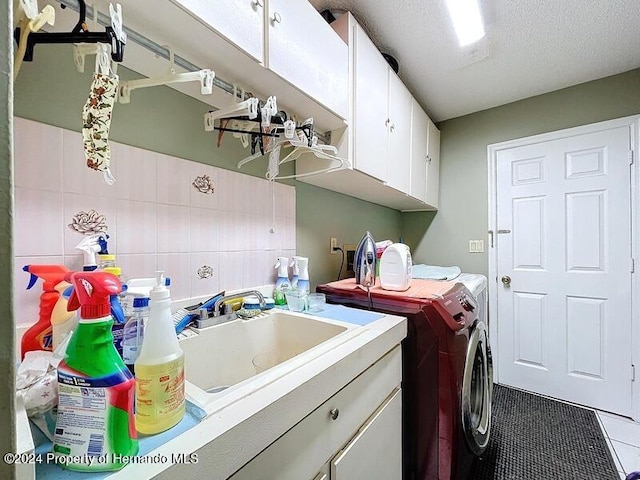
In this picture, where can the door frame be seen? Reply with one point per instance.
(633, 122)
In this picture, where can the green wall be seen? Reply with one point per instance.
(443, 238)
(7, 344)
(50, 90)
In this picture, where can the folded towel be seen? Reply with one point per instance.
(434, 272)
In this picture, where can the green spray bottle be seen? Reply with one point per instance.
(95, 429)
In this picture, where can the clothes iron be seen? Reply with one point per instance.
(365, 261)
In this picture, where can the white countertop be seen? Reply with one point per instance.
(249, 416)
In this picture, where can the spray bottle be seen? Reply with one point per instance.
(303, 278)
(91, 246)
(95, 388)
(39, 336)
(295, 271)
(62, 320)
(160, 389)
(282, 282)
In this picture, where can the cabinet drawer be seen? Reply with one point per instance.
(302, 451)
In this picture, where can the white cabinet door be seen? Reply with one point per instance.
(371, 95)
(433, 165)
(399, 133)
(375, 453)
(239, 21)
(419, 136)
(304, 50)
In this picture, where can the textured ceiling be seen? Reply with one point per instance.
(531, 47)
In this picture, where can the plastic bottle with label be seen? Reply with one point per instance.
(134, 332)
(95, 388)
(160, 389)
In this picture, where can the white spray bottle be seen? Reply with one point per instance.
(90, 246)
(295, 267)
(282, 282)
(303, 276)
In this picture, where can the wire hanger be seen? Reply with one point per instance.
(113, 35)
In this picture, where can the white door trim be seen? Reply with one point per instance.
(633, 122)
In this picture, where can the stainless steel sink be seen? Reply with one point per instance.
(222, 356)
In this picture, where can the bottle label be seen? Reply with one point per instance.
(84, 414)
(159, 390)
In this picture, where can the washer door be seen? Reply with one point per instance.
(477, 388)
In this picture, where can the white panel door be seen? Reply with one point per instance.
(399, 134)
(564, 241)
(304, 50)
(239, 21)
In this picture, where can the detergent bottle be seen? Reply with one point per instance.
(160, 389)
(95, 388)
(282, 282)
(40, 335)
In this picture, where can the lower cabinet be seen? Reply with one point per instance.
(357, 433)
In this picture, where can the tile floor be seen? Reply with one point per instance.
(623, 438)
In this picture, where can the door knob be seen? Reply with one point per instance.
(506, 280)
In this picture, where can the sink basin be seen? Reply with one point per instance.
(222, 356)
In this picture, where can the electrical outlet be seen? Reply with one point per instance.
(333, 243)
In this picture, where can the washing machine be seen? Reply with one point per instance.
(447, 372)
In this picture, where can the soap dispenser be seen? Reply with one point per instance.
(303, 276)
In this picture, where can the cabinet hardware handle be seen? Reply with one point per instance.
(392, 127)
(387, 122)
(503, 231)
(258, 3)
(277, 18)
(334, 412)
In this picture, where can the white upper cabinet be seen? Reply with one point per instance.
(433, 165)
(419, 145)
(304, 50)
(241, 22)
(400, 100)
(370, 119)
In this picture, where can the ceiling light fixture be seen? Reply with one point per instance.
(467, 20)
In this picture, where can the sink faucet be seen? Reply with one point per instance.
(216, 305)
(219, 317)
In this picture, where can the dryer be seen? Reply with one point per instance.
(447, 373)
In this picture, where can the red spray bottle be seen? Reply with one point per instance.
(39, 336)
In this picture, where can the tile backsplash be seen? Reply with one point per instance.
(208, 228)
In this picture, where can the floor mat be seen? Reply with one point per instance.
(537, 438)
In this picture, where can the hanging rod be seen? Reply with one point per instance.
(144, 42)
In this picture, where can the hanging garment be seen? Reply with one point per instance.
(96, 116)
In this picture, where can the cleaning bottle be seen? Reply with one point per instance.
(95, 388)
(117, 313)
(295, 271)
(137, 287)
(133, 332)
(90, 246)
(303, 278)
(160, 400)
(282, 282)
(62, 320)
(39, 336)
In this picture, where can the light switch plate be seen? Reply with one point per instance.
(476, 246)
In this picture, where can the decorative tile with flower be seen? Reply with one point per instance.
(89, 223)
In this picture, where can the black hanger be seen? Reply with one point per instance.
(79, 34)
